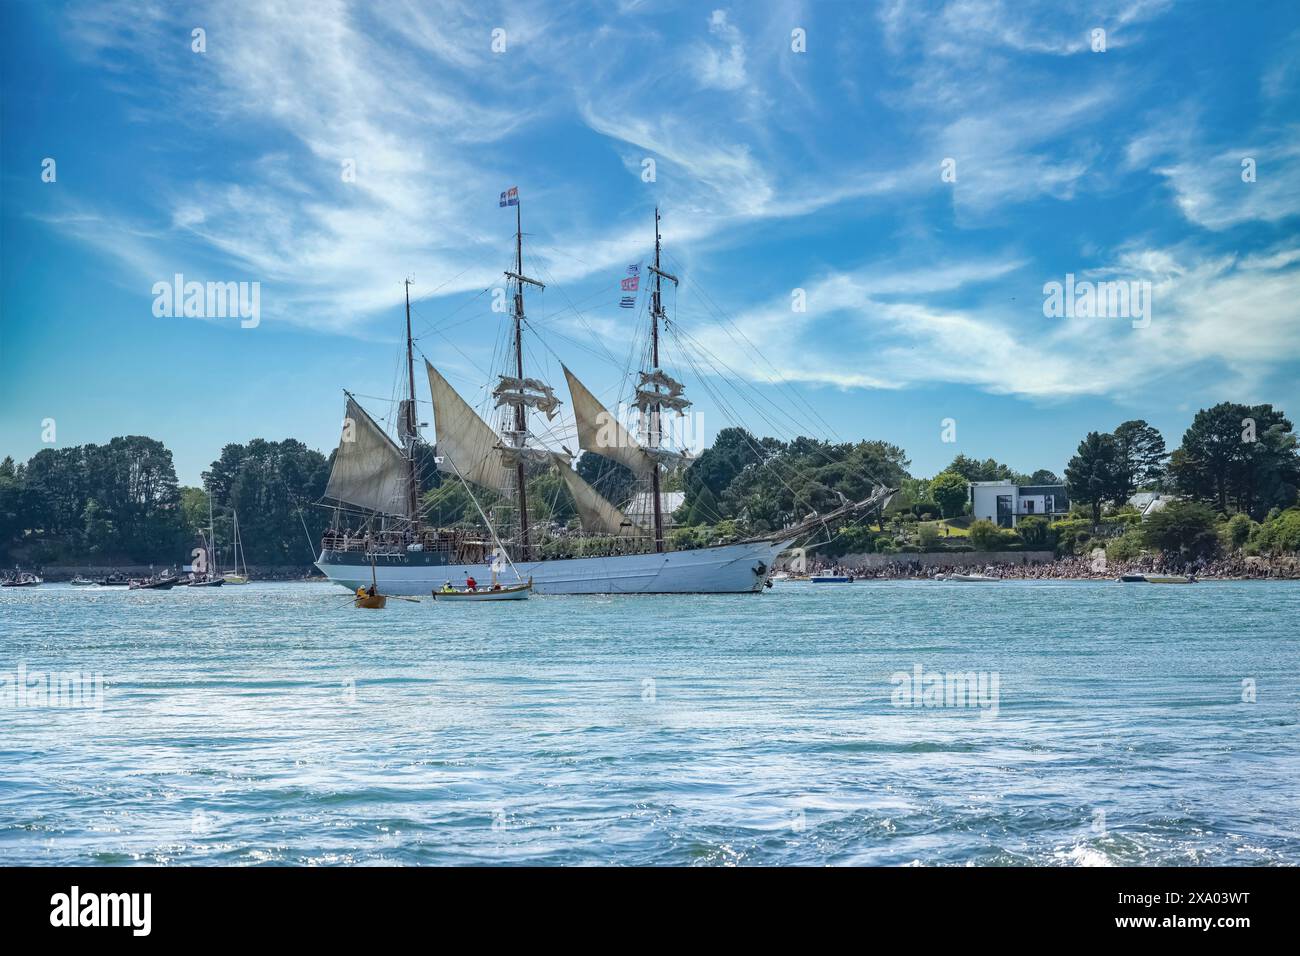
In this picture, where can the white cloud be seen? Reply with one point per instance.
(1206, 177)
(721, 64)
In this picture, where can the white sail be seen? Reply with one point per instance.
(595, 512)
(600, 432)
(466, 443)
(369, 470)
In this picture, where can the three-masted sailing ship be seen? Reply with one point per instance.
(374, 479)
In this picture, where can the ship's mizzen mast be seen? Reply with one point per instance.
(520, 397)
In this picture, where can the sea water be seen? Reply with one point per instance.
(900, 722)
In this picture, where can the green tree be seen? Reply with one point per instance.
(13, 506)
(1279, 533)
(1141, 456)
(1126, 547)
(951, 491)
(985, 535)
(1036, 533)
(987, 470)
(1237, 531)
(1093, 475)
(927, 536)
(734, 450)
(194, 510)
(1186, 528)
(1240, 456)
(272, 486)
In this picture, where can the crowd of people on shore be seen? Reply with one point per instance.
(1074, 568)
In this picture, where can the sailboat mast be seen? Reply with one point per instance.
(413, 498)
(656, 307)
(212, 542)
(521, 418)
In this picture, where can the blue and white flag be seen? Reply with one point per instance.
(634, 269)
(510, 197)
(628, 302)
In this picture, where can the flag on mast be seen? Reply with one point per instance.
(510, 197)
(628, 302)
(630, 284)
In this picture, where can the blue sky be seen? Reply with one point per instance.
(776, 170)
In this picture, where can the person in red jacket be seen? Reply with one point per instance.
(471, 584)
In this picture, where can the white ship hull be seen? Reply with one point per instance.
(726, 569)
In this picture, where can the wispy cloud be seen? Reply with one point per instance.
(1217, 322)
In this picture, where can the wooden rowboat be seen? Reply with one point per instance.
(376, 601)
(515, 592)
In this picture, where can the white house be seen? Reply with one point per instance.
(1149, 502)
(1005, 503)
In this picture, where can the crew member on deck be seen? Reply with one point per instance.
(471, 583)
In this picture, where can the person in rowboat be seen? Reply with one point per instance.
(471, 584)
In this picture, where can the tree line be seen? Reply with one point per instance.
(1233, 460)
(121, 502)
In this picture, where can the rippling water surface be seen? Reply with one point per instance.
(276, 724)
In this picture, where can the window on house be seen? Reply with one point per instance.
(1004, 511)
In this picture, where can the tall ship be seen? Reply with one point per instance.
(379, 526)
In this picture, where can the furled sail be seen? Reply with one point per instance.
(528, 392)
(660, 379)
(600, 432)
(595, 512)
(466, 443)
(645, 398)
(670, 397)
(369, 470)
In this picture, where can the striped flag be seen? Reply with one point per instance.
(634, 269)
(510, 197)
(628, 302)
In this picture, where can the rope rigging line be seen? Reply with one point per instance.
(780, 381)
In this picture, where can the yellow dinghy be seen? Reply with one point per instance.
(366, 599)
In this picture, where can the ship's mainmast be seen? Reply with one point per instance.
(655, 431)
(521, 409)
(410, 425)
